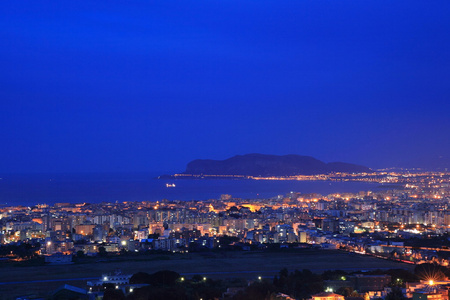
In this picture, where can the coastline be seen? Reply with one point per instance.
(97, 188)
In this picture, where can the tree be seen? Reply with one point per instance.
(399, 276)
(226, 240)
(233, 209)
(153, 236)
(197, 278)
(395, 294)
(156, 293)
(164, 278)
(284, 273)
(114, 294)
(140, 278)
(256, 291)
(333, 275)
(345, 291)
(160, 278)
(102, 251)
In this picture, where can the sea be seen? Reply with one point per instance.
(33, 189)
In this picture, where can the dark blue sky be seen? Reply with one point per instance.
(151, 85)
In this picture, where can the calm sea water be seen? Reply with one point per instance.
(31, 189)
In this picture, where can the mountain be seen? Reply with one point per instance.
(269, 165)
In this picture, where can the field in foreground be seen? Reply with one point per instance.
(16, 281)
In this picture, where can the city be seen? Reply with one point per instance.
(408, 223)
(225, 150)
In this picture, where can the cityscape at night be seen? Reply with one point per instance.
(213, 150)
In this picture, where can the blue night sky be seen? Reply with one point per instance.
(150, 85)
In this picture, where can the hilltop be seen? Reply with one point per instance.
(269, 165)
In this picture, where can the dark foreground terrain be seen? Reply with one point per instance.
(40, 280)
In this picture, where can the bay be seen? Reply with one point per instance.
(32, 189)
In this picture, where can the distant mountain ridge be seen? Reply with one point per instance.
(428, 163)
(269, 165)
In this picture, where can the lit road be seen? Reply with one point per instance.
(268, 273)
